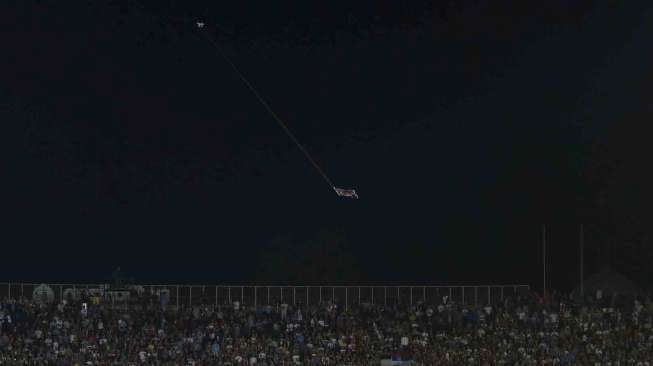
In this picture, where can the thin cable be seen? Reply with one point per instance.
(254, 91)
(269, 109)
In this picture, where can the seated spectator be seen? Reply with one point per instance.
(519, 331)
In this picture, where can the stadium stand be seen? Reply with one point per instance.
(521, 330)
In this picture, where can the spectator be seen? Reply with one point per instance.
(519, 331)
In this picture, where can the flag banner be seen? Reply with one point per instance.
(346, 192)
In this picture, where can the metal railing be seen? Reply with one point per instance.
(217, 295)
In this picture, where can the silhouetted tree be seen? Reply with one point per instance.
(323, 259)
(621, 178)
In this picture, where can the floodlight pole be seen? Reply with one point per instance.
(544, 260)
(582, 259)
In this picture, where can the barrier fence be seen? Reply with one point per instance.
(192, 295)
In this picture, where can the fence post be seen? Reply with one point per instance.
(489, 295)
(230, 295)
(346, 298)
(190, 296)
(242, 295)
(307, 289)
(463, 302)
(22, 291)
(216, 296)
(411, 295)
(359, 296)
(294, 300)
(177, 297)
(268, 290)
(320, 295)
(281, 289)
(372, 295)
(385, 296)
(475, 295)
(501, 293)
(424, 295)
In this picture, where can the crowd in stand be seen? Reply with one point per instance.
(523, 330)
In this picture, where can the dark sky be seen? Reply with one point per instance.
(463, 128)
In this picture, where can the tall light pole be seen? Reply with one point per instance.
(581, 240)
(544, 260)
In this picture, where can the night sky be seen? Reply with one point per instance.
(462, 127)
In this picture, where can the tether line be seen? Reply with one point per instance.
(270, 111)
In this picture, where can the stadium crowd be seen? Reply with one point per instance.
(523, 330)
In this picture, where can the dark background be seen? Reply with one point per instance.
(463, 126)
